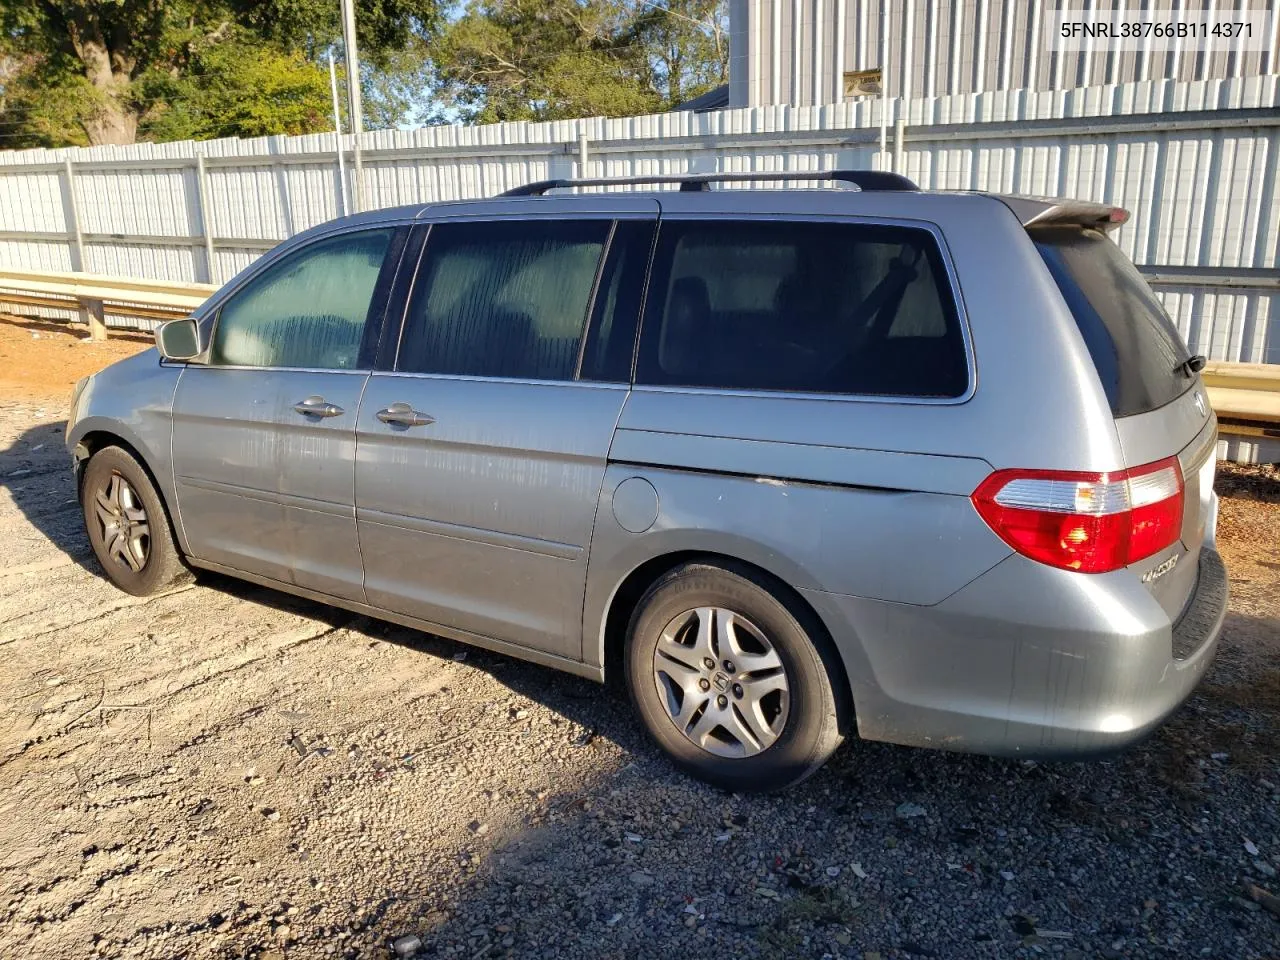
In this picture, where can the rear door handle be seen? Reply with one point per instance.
(403, 415)
(317, 407)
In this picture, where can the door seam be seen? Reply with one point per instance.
(595, 516)
(176, 509)
(355, 489)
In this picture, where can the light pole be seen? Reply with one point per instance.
(337, 138)
(354, 107)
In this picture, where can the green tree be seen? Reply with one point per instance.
(289, 95)
(105, 71)
(555, 59)
(398, 90)
(686, 43)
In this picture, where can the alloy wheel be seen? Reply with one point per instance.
(126, 532)
(721, 682)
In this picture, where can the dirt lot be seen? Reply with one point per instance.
(226, 772)
(43, 360)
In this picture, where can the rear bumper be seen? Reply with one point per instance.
(1027, 661)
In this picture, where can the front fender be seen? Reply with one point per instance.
(133, 401)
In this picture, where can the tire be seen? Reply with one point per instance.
(128, 526)
(765, 735)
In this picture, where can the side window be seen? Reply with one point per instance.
(309, 310)
(801, 306)
(503, 298)
(611, 338)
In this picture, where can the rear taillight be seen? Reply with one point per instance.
(1091, 522)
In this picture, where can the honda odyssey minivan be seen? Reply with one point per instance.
(793, 464)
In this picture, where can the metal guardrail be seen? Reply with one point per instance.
(1246, 396)
(96, 295)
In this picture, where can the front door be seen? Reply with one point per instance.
(264, 431)
(480, 454)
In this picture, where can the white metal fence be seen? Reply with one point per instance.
(797, 51)
(1196, 163)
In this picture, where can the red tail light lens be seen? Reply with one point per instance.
(1090, 522)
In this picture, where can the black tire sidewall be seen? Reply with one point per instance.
(810, 732)
(157, 572)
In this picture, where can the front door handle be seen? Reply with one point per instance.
(403, 415)
(317, 407)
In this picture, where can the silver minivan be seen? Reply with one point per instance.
(931, 467)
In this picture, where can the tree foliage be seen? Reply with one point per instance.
(552, 59)
(290, 95)
(397, 90)
(112, 71)
(105, 71)
(687, 46)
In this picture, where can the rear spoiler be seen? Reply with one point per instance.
(1053, 212)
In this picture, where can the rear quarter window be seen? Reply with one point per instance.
(806, 307)
(1135, 347)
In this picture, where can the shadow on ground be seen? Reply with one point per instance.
(62, 328)
(36, 471)
(1259, 482)
(892, 851)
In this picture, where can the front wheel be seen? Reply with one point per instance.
(729, 680)
(127, 524)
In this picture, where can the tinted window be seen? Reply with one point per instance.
(503, 298)
(308, 310)
(809, 307)
(1134, 345)
(612, 338)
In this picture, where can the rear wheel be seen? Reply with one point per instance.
(729, 680)
(127, 524)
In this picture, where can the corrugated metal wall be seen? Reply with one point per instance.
(797, 51)
(1195, 162)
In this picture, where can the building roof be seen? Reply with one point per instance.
(717, 99)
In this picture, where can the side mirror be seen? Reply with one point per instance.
(179, 339)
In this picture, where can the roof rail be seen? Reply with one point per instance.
(862, 179)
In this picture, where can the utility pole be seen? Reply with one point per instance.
(337, 139)
(354, 107)
(884, 85)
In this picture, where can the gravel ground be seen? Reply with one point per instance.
(227, 772)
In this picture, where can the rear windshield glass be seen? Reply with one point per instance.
(1135, 346)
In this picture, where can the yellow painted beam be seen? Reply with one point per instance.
(93, 286)
(1258, 405)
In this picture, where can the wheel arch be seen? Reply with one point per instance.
(632, 587)
(92, 437)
